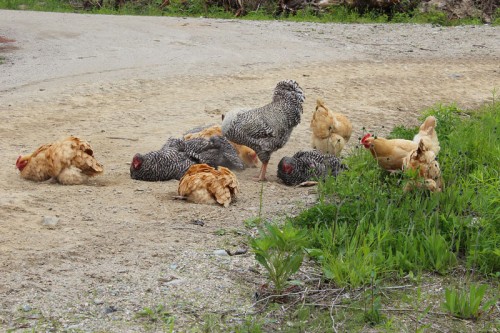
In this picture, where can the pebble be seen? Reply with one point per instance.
(50, 221)
(110, 309)
(98, 301)
(221, 253)
(26, 308)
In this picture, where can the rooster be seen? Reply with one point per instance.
(390, 154)
(247, 155)
(206, 185)
(330, 130)
(428, 135)
(69, 161)
(308, 165)
(423, 160)
(267, 128)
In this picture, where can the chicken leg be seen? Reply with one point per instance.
(262, 175)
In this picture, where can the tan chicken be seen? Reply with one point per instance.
(423, 160)
(428, 135)
(69, 161)
(390, 154)
(206, 185)
(246, 154)
(330, 130)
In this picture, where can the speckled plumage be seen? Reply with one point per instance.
(308, 165)
(177, 155)
(215, 151)
(164, 164)
(268, 128)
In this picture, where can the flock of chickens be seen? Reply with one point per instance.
(203, 157)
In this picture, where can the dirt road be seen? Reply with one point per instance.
(126, 84)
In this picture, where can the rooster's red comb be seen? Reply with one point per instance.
(367, 135)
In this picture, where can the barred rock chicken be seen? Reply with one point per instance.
(330, 130)
(204, 184)
(177, 155)
(164, 164)
(247, 155)
(390, 154)
(428, 135)
(423, 160)
(308, 165)
(69, 161)
(267, 128)
(215, 151)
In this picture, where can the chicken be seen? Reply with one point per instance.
(423, 160)
(308, 165)
(177, 155)
(267, 128)
(390, 154)
(206, 185)
(330, 130)
(428, 135)
(215, 151)
(70, 161)
(247, 155)
(164, 164)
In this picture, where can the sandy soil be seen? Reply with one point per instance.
(128, 83)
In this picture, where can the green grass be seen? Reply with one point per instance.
(197, 8)
(365, 231)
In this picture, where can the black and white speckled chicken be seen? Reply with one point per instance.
(177, 155)
(214, 151)
(308, 165)
(268, 128)
(164, 164)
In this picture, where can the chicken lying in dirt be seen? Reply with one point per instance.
(69, 161)
(389, 153)
(206, 185)
(428, 135)
(423, 160)
(177, 155)
(267, 128)
(330, 130)
(160, 165)
(215, 151)
(304, 167)
(247, 155)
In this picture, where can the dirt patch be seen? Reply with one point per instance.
(122, 245)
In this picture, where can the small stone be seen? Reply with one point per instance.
(110, 309)
(50, 221)
(221, 253)
(26, 308)
(98, 301)
(173, 266)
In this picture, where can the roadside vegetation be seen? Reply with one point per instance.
(348, 11)
(367, 254)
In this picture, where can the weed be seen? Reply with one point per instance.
(466, 304)
(372, 315)
(157, 315)
(280, 251)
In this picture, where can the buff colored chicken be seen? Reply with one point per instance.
(330, 130)
(428, 135)
(206, 185)
(70, 161)
(390, 154)
(246, 154)
(423, 160)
